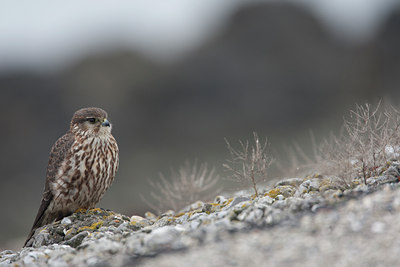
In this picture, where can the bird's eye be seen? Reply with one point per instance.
(91, 120)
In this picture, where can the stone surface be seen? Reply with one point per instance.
(307, 221)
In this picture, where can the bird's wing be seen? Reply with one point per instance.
(57, 155)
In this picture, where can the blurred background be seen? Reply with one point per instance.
(177, 77)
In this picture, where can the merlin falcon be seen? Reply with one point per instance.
(81, 167)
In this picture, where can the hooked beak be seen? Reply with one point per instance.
(105, 123)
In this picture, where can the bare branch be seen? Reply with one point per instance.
(249, 164)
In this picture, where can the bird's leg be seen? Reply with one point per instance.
(96, 210)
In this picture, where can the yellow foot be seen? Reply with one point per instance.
(96, 210)
(81, 210)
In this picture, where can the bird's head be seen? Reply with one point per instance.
(91, 122)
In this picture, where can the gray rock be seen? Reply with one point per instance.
(76, 240)
(238, 200)
(255, 229)
(303, 188)
(66, 221)
(162, 239)
(315, 184)
(198, 205)
(385, 178)
(182, 219)
(220, 199)
(266, 200)
(295, 182)
(286, 190)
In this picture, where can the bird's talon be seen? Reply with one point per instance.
(81, 210)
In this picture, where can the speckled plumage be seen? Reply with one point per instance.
(81, 167)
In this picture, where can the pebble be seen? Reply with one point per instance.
(139, 221)
(220, 199)
(238, 200)
(66, 221)
(290, 181)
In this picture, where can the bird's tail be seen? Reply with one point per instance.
(29, 238)
(41, 219)
(39, 222)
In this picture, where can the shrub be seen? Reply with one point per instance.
(369, 139)
(249, 164)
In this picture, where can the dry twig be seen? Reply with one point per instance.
(249, 164)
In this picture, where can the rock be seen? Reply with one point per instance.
(273, 193)
(314, 184)
(162, 239)
(66, 221)
(303, 188)
(139, 221)
(163, 221)
(220, 199)
(328, 184)
(76, 240)
(182, 219)
(238, 200)
(168, 213)
(207, 208)
(294, 182)
(267, 200)
(392, 178)
(149, 215)
(195, 206)
(103, 238)
(332, 193)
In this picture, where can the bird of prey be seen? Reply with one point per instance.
(81, 167)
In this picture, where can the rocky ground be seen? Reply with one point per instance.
(311, 221)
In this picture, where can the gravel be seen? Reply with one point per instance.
(309, 221)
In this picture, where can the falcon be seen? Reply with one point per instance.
(82, 165)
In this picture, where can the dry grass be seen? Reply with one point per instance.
(369, 139)
(249, 164)
(190, 183)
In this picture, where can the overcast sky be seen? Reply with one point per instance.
(47, 34)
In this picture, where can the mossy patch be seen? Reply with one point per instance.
(227, 202)
(179, 214)
(286, 190)
(93, 227)
(273, 193)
